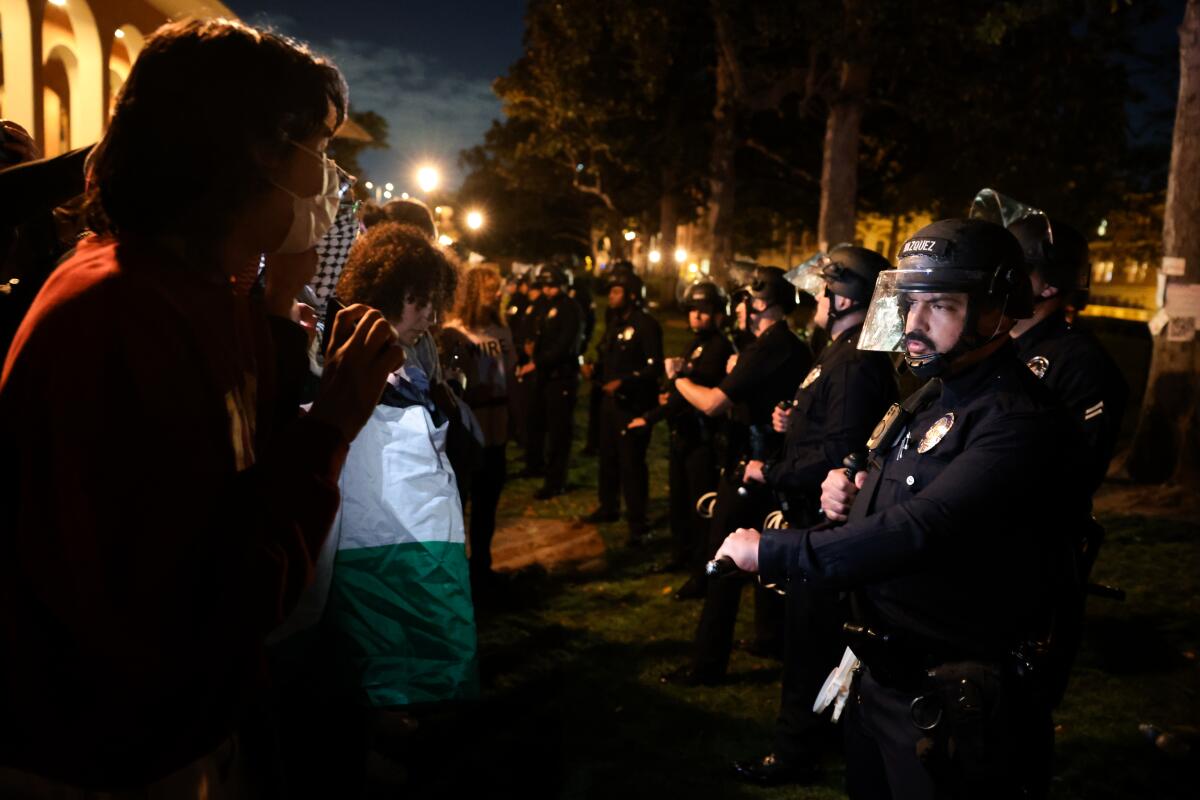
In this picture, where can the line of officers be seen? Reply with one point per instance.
(946, 539)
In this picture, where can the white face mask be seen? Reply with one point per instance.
(312, 217)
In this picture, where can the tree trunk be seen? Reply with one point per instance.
(668, 224)
(724, 147)
(839, 167)
(1167, 445)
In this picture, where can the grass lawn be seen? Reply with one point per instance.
(572, 705)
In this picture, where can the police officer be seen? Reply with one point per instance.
(554, 370)
(956, 563)
(693, 455)
(835, 409)
(1072, 364)
(766, 372)
(593, 371)
(629, 369)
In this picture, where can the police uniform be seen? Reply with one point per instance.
(525, 387)
(555, 385)
(693, 449)
(767, 372)
(631, 352)
(955, 564)
(837, 405)
(1077, 370)
(953, 556)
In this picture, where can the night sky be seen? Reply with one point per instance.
(426, 66)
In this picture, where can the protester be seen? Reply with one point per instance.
(162, 504)
(478, 345)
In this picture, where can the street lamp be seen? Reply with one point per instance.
(630, 236)
(445, 241)
(655, 256)
(474, 220)
(428, 178)
(389, 186)
(680, 255)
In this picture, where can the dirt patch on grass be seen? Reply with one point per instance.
(554, 544)
(1157, 500)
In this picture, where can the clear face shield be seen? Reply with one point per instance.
(807, 276)
(1001, 209)
(884, 327)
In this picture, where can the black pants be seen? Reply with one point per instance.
(550, 423)
(623, 469)
(812, 647)
(714, 635)
(692, 473)
(595, 398)
(485, 496)
(882, 761)
(518, 415)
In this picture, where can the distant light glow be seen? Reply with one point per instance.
(630, 236)
(369, 185)
(1103, 229)
(404, 195)
(389, 186)
(445, 241)
(693, 268)
(59, 3)
(387, 195)
(680, 255)
(120, 34)
(428, 178)
(474, 220)
(655, 256)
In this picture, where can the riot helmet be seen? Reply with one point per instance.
(845, 271)
(1058, 254)
(1054, 250)
(769, 285)
(553, 275)
(707, 297)
(973, 257)
(621, 273)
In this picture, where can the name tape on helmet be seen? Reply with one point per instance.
(935, 247)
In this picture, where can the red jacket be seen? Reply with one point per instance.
(162, 510)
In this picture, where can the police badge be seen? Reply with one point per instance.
(696, 353)
(1038, 365)
(811, 378)
(937, 431)
(627, 334)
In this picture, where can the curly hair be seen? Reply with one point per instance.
(476, 303)
(392, 264)
(203, 101)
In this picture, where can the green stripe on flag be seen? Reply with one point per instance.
(405, 623)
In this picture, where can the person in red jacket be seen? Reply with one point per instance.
(162, 504)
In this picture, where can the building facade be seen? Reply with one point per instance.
(64, 61)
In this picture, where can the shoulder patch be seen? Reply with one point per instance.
(811, 378)
(1038, 365)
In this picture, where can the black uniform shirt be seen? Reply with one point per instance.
(632, 353)
(959, 534)
(559, 330)
(704, 364)
(1085, 379)
(767, 371)
(837, 405)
